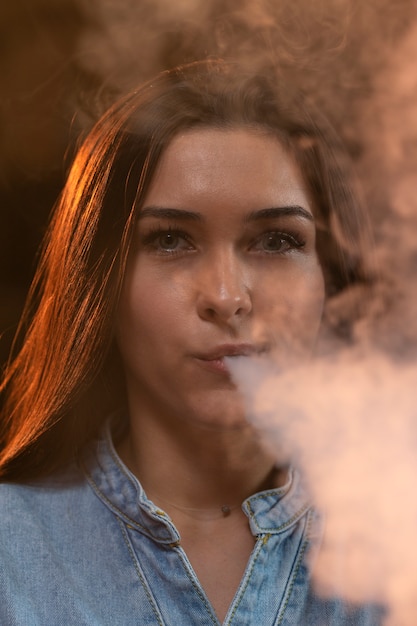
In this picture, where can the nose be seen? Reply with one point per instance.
(224, 293)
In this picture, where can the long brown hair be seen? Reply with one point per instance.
(67, 378)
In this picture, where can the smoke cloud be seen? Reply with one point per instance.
(348, 421)
(331, 49)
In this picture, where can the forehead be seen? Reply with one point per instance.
(237, 165)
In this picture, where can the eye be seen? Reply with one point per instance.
(276, 242)
(167, 241)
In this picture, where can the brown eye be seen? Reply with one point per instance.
(274, 243)
(277, 242)
(168, 241)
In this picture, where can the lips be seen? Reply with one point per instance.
(239, 349)
(214, 359)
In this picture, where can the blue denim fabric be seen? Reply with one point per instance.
(89, 548)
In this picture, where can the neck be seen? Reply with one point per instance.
(202, 473)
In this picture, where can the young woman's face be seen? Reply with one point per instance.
(223, 264)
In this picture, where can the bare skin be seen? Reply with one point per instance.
(224, 263)
(234, 544)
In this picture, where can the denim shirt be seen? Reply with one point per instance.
(89, 548)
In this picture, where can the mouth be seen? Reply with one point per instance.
(214, 360)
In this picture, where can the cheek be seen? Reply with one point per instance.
(296, 308)
(315, 291)
(311, 296)
(299, 289)
(140, 315)
(151, 308)
(311, 309)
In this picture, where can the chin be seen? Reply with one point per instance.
(230, 415)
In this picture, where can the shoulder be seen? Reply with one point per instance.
(39, 503)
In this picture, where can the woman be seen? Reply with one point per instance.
(206, 216)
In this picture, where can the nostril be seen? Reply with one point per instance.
(224, 308)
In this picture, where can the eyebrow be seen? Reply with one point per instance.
(282, 211)
(262, 214)
(168, 213)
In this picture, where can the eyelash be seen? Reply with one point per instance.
(294, 240)
(150, 240)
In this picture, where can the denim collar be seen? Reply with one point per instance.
(269, 512)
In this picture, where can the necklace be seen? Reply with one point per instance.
(226, 510)
(223, 511)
